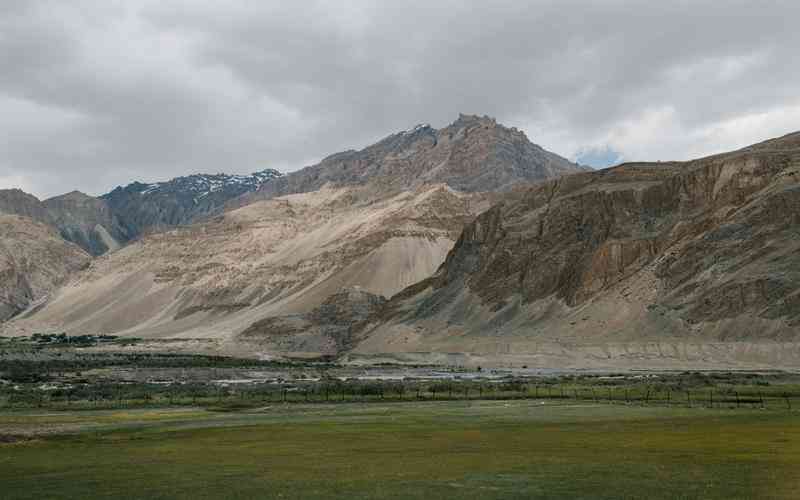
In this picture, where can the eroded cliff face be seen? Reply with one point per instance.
(707, 248)
(576, 237)
(34, 261)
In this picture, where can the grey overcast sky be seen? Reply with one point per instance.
(99, 93)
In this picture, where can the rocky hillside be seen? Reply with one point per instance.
(34, 261)
(642, 263)
(103, 224)
(18, 202)
(380, 220)
(473, 154)
(79, 218)
(279, 257)
(326, 330)
(87, 221)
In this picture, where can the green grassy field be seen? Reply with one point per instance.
(479, 449)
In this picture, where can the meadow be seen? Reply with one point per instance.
(527, 448)
(88, 417)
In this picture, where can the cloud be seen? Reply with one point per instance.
(98, 93)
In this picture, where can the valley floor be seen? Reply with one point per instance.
(426, 449)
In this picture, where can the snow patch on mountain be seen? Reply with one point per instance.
(416, 128)
(201, 185)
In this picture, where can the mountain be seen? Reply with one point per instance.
(379, 223)
(271, 258)
(18, 202)
(79, 218)
(103, 224)
(87, 221)
(34, 261)
(143, 208)
(670, 264)
(473, 154)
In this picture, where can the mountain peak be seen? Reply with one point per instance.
(473, 154)
(201, 183)
(74, 195)
(466, 119)
(17, 202)
(145, 207)
(16, 191)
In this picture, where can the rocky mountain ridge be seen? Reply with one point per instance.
(106, 223)
(145, 208)
(379, 219)
(473, 154)
(278, 257)
(705, 251)
(18, 202)
(643, 265)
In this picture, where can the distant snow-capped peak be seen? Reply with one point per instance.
(202, 185)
